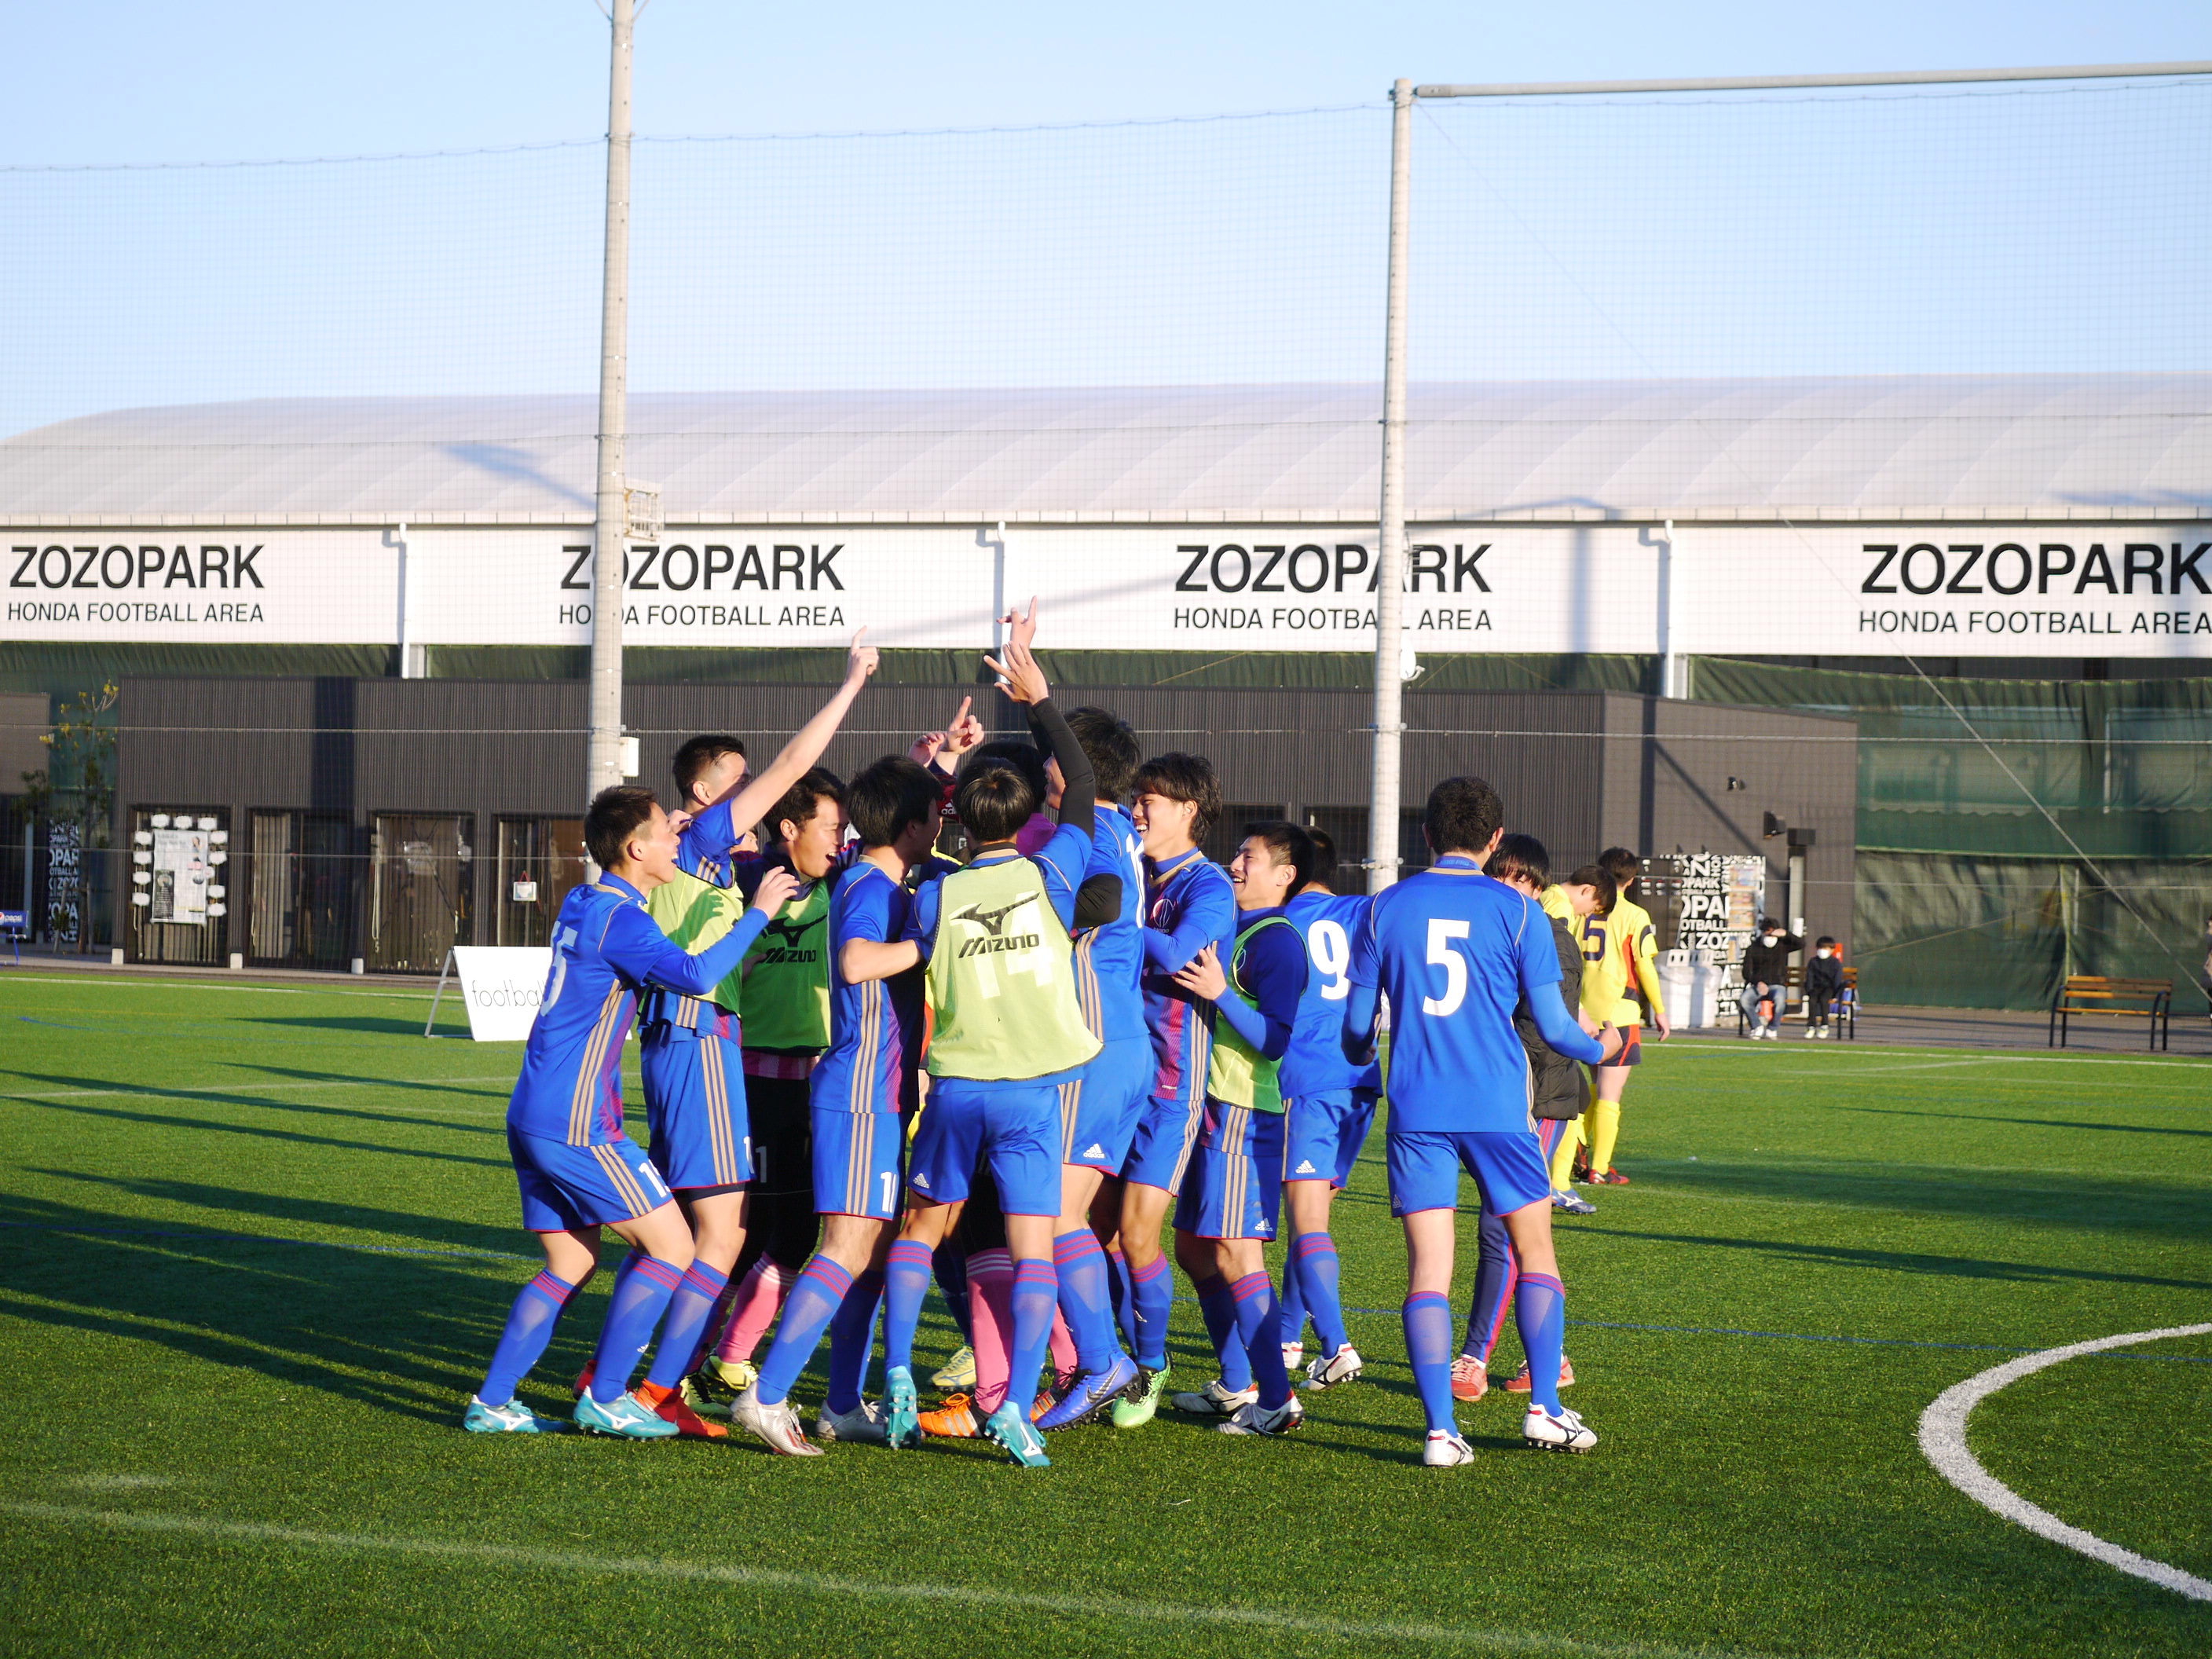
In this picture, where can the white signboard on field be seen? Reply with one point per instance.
(502, 985)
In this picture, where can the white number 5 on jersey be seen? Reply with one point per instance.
(1332, 958)
(1442, 933)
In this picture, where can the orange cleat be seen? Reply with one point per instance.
(955, 1419)
(1518, 1383)
(583, 1382)
(1470, 1379)
(668, 1404)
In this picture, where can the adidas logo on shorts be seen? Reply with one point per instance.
(1305, 1167)
(922, 1182)
(1094, 1150)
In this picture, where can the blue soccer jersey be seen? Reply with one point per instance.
(1110, 958)
(875, 1026)
(1189, 905)
(605, 950)
(1315, 1064)
(1454, 951)
(706, 848)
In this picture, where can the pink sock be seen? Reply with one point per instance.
(753, 1311)
(991, 1313)
(1063, 1346)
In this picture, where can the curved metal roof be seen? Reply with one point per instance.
(1949, 447)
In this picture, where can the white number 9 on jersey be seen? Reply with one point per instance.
(1332, 958)
(1442, 933)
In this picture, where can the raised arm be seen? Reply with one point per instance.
(767, 786)
(635, 944)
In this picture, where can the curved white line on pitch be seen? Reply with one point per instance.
(1943, 1439)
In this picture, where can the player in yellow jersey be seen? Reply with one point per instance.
(1620, 954)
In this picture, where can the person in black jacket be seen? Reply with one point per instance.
(1767, 978)
(1823, 985)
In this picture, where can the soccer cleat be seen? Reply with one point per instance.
(1018, 1435)
(669, 1406)
(1607, 1178)
(1257, 1419)
(777, 1425)
(1565, 1431)
(513, 1418)
(1090, 1393)
(1215, 1400)
(1518, 1383)
(953, 1419)
(582, 1385)
(697, 1395)
(1328, 1369)
(1446, 1451)
(1579, 1170)
(710, 1389)
(902, 1409)
(1294, 1355)
(1142, 1402)
(862, 1426)
(1573, 1204)
(1470, 1379)
(957, 1372)
(625, 1417)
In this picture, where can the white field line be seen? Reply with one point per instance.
(1734, 1046)
(1089, 1609)
(1943, 1439)
(244, 1087)
(156, 981)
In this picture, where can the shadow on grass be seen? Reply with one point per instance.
(2034, 1122)
(452, 1020)
(228, 1206)
(1954, 1266)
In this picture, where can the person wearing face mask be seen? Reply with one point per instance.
(1824, 983)
(1767, 978)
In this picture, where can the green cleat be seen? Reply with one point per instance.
(959, 1375)
(513, 1418)
(902, 1409)
(1142, 1402)
(625, 1417)
(1012, 1429)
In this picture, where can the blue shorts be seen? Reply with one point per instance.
(565, 1187)
(1508, 1168)
(856, 1162)
(1159, 1152)
(1235, 1184)
(1016, 1126)
(1098, 1107)
(1325, 1134)
(695, 1110)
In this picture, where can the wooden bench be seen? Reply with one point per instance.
(2092, 995)
(1843, 1014)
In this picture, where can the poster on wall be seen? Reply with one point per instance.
(180, 876)
(64, 878)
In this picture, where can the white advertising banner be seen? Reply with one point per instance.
(1860, 590)
(501, 985)
(180, 878)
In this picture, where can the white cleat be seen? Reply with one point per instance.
(1294, 1355)
(1564, 1431)
(1257, 1419)
(1215, 1400)
(777, 1425)
(862, 1426)
(1330, 1369)
(1446, 1452)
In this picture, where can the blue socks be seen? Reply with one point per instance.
(1313, 1267)
(1540, 1309)
(1292, 1302)
(1428, 1317)
(1036, 1293)
(1217, 1305)
(1151, 1294)
(1259, 1325)
(1125, 1306)
(812, 1301)
(688, 1311)
(1084, 1298)
(640, 1296)
(852, 1341)
(1495, 1270)
(906, 1280)
(949, 1262)
(529, 1328)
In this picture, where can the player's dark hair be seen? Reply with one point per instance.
(699, 753)
(1625, 866)
(1019, 753)
(1109, 744)
(1523, 856)
(1289, 844)
(803, 799)
(1324, 856)
(1180, 776)
(994, 799)
(613, 821)
(1461, 815)
(1597, 876)
(887, 795)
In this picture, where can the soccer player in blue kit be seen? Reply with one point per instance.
(1330, 1108)
(576, 1168)
(1454, 951)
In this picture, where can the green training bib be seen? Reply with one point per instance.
(1002, 978)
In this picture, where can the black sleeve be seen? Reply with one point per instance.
(1078, 796)
(1098, 902)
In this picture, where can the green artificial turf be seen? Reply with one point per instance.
(260, 1241)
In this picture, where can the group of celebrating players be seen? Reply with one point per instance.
(867, 1066)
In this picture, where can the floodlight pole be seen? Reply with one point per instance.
(1390, 543)
(604, 759)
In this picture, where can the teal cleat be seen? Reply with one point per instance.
(902, 1409)
(624, 1417)
(1011, 1429)
(513, 1418)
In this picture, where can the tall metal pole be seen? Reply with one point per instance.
(1390, 550)
(602, 763)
